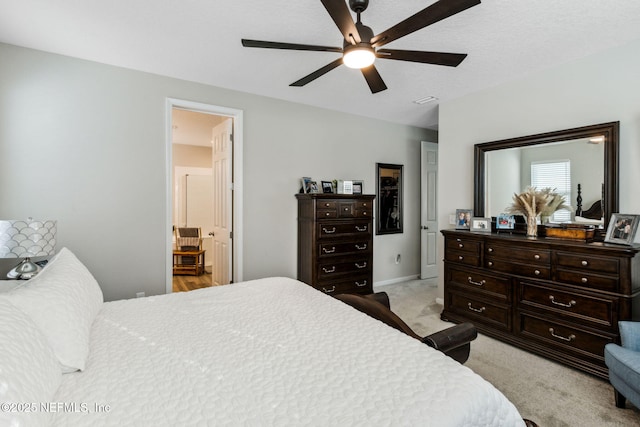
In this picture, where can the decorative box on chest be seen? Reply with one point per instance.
(558, 298)
(335, 242)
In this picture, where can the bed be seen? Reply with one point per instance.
(272, 351)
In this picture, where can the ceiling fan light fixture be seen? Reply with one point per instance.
(358, 56)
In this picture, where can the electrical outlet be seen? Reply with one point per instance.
(398, 259)
(139, 294)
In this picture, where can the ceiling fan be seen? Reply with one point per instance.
(361, 47)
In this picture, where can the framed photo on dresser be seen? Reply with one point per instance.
(622, 229)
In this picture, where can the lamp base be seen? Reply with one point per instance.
(24, 271)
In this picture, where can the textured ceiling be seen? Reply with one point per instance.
(199, 40)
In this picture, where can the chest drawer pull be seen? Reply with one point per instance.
(361, 228)
(560, 337)
(360, 285)
(328, 291)
(346, 209)
(490, 263)
(536, 256)
(327, 214)
(536, 272)
(329, 251)
(460, 257)
(361, 248)
(480, 283)
(364, 265)
(561, 304)
(460, 245)
(490, 249)
(327, 205)
(584, 280)
(327, 270)
(477, 310)
(585, 263)
(327, 231)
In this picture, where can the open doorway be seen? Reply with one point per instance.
(204, 159)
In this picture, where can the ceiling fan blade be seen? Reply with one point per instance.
(288, 46)
(375, 82)
(436, 12)
(437, 58)
(318, 73)
(341, 15)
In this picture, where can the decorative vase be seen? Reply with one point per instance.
(532, 226)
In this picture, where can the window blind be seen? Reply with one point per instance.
(557, 176)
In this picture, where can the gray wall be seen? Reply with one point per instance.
(597, 89)
(84, 143)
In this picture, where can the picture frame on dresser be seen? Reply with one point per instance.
(481, 224)
(622, 229)
(463, 219)
(327, 186)
(358, 187)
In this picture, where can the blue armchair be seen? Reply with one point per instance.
(624, 364)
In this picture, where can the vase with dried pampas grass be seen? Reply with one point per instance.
(533, 203)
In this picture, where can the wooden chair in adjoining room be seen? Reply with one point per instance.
(188, 257)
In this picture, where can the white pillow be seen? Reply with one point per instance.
(29, 371)
(62, 300)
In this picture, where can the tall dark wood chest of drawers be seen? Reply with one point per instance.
(561, 299)
(335, 242)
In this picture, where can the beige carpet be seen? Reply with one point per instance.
(544, 391)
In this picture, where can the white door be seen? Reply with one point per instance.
(428, 211)
(222, 147)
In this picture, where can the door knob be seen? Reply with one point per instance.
(424, 227)
(212, 234)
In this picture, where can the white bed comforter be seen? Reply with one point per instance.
(267, 352)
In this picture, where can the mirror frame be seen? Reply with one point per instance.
(399, 190)
(611, 161)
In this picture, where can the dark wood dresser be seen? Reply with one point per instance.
(561, 299)
(335, 242)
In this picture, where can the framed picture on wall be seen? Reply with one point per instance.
(622, 229)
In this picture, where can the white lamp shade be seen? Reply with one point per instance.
(24, 239)
(358, 56)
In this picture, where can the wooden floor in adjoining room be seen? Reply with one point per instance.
(189, 283)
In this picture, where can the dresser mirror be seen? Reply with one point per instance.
(389, 199)
(590, 155)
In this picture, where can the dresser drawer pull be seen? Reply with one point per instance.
(584, 280)
(360, 285)
(326, 270)
(365, 228)
(327, 214)
(480, 283)
(327, 231)
(327, 205)
(364, 214)
(561, 304)
(361, 248)
(460, 245)
(329, 251)
(560, 337)
(536, 272)
(364, 204)
(346, 209)
(490, 249)
(328, 291)
(477, 310)
(585, 263)
(361, 266)
(536, 256)
(490, 264)
(460, 257)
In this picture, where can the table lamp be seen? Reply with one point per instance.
(26, 239)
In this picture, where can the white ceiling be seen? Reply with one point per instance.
(199, 40)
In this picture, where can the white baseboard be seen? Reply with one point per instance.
(397, 280)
